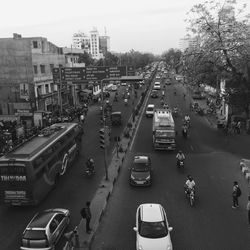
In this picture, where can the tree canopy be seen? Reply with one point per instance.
(223, 43)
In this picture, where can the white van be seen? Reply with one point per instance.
(150, 110)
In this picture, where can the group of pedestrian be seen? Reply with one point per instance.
(236, 194)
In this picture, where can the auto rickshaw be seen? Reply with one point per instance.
(116, 118)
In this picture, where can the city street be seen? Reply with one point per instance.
(74, 188)
(213, 162)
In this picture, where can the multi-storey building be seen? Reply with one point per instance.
(81, 41)
(104, 42)
(26, 82)
(94, 44)
(188, 43)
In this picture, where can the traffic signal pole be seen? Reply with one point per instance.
(104, 127)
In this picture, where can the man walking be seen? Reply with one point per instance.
(248, 210)
(86, 214)
(236, 194)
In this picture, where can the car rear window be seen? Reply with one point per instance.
(153, 229)
(150, 109)
(34, 235)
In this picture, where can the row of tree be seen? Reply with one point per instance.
(221, 51)
(131, 58)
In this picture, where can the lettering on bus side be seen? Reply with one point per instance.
(13, 178)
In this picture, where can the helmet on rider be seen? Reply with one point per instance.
(190, 177)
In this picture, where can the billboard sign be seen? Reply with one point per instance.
(86, 74)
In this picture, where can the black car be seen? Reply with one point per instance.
(141, 171)
(154, 94)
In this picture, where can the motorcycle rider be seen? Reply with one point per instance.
(189, 185)
(175, 110)
(180, 157)
(90, 165)
(184, 130)
(187, 119)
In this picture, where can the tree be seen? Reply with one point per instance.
(172, 57)
(223, 42)
(85, 58)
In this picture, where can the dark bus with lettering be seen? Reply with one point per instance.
(31, 170)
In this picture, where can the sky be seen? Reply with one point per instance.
(143, 25)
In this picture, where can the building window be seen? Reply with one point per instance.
(39, 90)
(35, 44)
(51, 67)
(35, 69)
(42, 68)
(46, 88)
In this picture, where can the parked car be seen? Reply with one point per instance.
(154, 94)
(141, 171)
(45, 229)
(152, 228)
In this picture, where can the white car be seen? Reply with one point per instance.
(157, 86)
(150, 110)
(152, 229)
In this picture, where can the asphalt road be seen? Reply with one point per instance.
(73, 189)
(212, 159)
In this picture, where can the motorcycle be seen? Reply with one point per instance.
(126, 102)
(190, 196)
(180, 163)
(89, 172)
(184, 133)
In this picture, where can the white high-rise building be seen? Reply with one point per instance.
(94, 44)
(188, 43)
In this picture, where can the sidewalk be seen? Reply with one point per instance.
(81, 239)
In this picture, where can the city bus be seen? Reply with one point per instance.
(29, 171)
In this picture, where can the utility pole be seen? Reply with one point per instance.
(104, 127)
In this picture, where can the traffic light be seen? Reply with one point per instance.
(102, 138)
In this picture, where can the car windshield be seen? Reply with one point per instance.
(140, 166)
(150, 109)
(164, 133)
(34, 235)
(153, 229)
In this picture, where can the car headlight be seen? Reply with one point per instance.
(148, 178)
(140, 247)
(169, 247)
(132, 177)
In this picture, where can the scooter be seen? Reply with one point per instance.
(190, 196)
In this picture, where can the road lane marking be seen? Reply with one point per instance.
(191, 147)
(138, 124)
